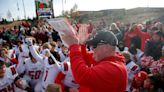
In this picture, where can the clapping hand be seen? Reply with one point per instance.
(69, 39)
(79, 38)
(83, 33)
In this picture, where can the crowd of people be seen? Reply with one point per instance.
(116, 58)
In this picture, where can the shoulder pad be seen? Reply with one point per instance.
(65, 66)
(134, 68)
(13, 71)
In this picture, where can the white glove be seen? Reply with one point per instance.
(29, 41)
(54, 59)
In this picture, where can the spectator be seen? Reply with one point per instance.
(132, 32)
(114, 28)
(159, 26)
(55, 36)
(153, 47)
(108, 70)
(153, 83)
(133, 35)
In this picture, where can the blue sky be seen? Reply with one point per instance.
(11, 5)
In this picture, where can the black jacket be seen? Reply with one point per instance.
(154, 49)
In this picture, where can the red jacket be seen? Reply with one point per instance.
(108, 75)
(129, 35)
(144, 37)
(136, 32)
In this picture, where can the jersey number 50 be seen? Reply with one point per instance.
(35, 74)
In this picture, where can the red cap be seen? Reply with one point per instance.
(141, 75)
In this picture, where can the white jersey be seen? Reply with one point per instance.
(11, 53)
(50, 73)
(139, 54)
(132, 68)
(50, 70)
(33, 71)
(23, 51)
(69, 79)
(7, 82)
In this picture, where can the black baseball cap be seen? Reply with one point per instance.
(103, 37)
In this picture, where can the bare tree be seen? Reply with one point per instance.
(9, 15)
(74, 12)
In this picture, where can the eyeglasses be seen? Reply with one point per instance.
(95, 46)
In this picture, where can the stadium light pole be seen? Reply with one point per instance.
(18, 10)
(63, 6)
(24, 9)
